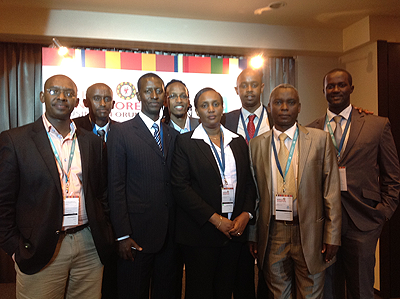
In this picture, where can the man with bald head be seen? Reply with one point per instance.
(52, 201)
(99, 100)
(251, 120)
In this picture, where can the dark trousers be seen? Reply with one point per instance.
(354, 269)
(150, 273)
(211, 271)
(244, 287)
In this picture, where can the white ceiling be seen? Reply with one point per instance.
(304, 13)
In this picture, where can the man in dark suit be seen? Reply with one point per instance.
(370, 184)
(99, 100)
(142, 208)
(177, 107)
(52, 201)
(251, 120)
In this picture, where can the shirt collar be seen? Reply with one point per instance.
(50, 128)
(345, 113)
(179, 129)
(200, 133)
(257, 113)
(148, 121)
(289, 132)
(105, 128)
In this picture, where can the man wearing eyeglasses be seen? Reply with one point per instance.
(99, 100)
(177, 107)
(141, 204)
(53, 200)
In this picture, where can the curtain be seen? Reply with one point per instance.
(20, 84)
(277, 70)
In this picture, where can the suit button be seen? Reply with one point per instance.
(27, 245)
(57, 232)
(166, 204)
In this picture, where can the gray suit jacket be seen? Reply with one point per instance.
(319, 208)
(372, 170)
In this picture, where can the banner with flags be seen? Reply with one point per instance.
(121, 70)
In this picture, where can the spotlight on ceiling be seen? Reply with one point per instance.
(62, 51)
(271, 6)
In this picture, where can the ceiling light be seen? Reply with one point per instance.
(271, 6)
(256, 62)
(62, 51)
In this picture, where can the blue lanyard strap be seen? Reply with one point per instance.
(328, 124)
(71, 156)
(221, 161)
(258, 125)
(162, 139)
(289, 161)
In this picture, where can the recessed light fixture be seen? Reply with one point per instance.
(271, 6)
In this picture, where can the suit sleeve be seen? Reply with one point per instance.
(389, 177)
(9, 186)
(332, 196)
(185, 195)
(117, 168)
(252, 235)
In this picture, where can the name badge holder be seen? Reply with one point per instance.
(284, 202)
(227, 191)
(70, 203)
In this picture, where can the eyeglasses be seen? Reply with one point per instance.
(99, 98)
(57, 91)
(175, 96)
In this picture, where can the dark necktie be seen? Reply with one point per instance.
(157, 136)
(338, 130)
(102, 134)
(251, 129)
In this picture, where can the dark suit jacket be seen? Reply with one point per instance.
(85, 123)
(31, 201)
(231, 119)
(196, 182)
(140, 196)
(372, 170)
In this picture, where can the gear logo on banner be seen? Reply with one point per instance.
(126, 90)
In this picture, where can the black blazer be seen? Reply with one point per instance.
(372, 170)
(140, 196)
(230, 120)
(196, 182)
(31, 201)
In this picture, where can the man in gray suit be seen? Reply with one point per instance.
(370, 184)
(141, 204)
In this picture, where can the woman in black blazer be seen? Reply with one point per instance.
(215, 196)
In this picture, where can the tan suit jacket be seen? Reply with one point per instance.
(319, 207)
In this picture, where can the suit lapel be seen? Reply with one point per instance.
(84, 151)
(167, 138)
(266, 154)
(357, 122)
(304, 149)
(42, 143)
(143, 132)
(206, 150)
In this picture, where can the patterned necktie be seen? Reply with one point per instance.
(290, 186)
(338, 130)
(157, 136)
(102, 134)
(251, 129)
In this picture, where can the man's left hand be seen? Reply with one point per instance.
(329, 251)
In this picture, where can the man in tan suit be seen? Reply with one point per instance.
(299, 219)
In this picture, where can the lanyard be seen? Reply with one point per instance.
(289, 161)
(221, 161)
(338, 148)
(258, 125)
(71, 156)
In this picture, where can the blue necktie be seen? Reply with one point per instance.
(157, 136)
